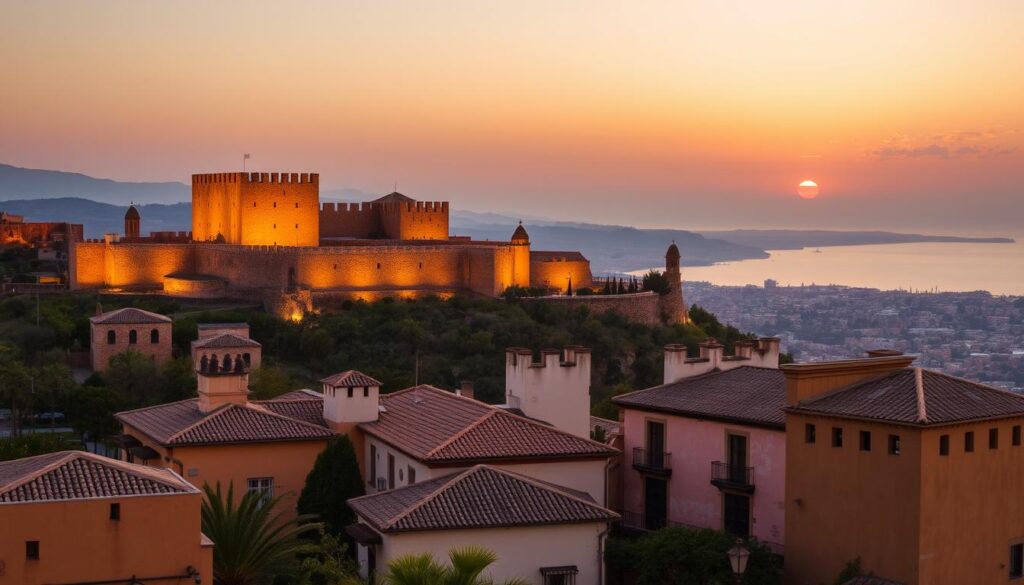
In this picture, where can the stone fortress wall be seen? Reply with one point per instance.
(257, 209)
(396, 219)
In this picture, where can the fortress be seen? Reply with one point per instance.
(266, 237)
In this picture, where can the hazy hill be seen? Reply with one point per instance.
(796, 239)
(19, 183)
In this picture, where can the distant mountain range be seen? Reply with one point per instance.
(99, 204)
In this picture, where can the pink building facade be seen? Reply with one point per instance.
(708, 451)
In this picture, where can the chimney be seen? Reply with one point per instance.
(808, 380)
(744, 349)
(712, 351)
(465, 389)
(222, 381)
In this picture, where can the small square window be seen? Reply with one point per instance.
(1016, 436)
(1017, 561)
(969, 442)
(810, 433)
(411, 474)
(993, 438)
(32, 550)
(115, 511)
(264, 486)
(865, 440)
(894, 444)
(837, 436)
(944, 445)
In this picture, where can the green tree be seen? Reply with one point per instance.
(331, 564)
(35, 444)
(132, 374)
(269, 381)
(333, 480)
(656, 281)
(467, 566)
(254, 541)
(52, 383)
(682, 556)
(94, 409)
(176, 381)
(14, 391)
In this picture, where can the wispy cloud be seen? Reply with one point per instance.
(958, 144)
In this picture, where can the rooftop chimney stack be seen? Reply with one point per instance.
(466, 389)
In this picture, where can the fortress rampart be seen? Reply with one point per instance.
(391, 219)
(256, 208)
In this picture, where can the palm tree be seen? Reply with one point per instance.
(467, 567)
(252, 542)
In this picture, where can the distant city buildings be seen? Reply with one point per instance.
(974, 335)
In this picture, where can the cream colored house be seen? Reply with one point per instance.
(542, 533)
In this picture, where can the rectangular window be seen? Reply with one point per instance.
(32, 550)
(894, 444)
(969, 442)
(837, 436)
(411, 474)
(349, 391)
(391, 471)
(1017, 561)
(810, 433)
(865, 440)
(115, 511)
(559, 575)
(944, 445)
(372, 480)
(1016, 435)
(993, 438)
(264, 486)
(366, 391)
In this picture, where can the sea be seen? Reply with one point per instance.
(942, 267)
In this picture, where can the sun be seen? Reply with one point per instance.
(808, 189)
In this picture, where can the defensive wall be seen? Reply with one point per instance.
(394, 220)
(257, 208)
(486, 270)
(552, 270)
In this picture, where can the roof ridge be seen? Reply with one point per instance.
(699, 376)
(550, 427)
(264, 410)
(154, 406)
(35, 474)
(546, 486)
(460, 434)
(850, 386)
(455, 478)
(922, 410)
(206, 417)
(975, 383)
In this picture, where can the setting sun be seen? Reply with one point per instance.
(808, 189)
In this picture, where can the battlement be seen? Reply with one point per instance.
(762, 353)
(567, 357)
(273, 178)
(555, 389)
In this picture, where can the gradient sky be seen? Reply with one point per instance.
(908, 114)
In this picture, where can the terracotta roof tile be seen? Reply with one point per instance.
(225, 340)
(746, 394)
(350, 378)
(437, 426)
(129, 316)
(480, 497)
(73, 475)
(916, 396)
(306, 409)
(182, 423)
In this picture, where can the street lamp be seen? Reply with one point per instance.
(738, 557)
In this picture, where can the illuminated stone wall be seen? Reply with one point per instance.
(640, 307)
(550, 270)
(349, 220)
(87, 264)
(261, 209)
(420, 220)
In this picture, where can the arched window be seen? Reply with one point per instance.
(154, 336)
(111, 337)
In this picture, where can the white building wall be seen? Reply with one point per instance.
(522, 551)
(555, 390)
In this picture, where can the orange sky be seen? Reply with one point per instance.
(696, 114)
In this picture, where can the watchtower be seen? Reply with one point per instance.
(258, 209)
(132, 221)
(350, 398)
(555, 390)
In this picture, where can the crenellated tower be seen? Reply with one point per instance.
(555, 390)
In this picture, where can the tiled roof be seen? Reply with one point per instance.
(437, 426)
(182, 423)
(308, 409)
(350, 378)
(202, 326)
(916, 396)
(301, 394)
(480, 497)
(553, 256)
(746, 394)
(870, 580)
(611, 427)
(394, 197)
(129, 316)
(224, 340)
(75, 475)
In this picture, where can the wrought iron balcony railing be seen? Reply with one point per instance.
(732, 476)
(655, 461)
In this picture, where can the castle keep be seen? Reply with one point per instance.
(261, 236)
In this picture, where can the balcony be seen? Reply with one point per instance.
(652, 461)
(732, 477)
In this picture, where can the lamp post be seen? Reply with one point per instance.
(738, 557)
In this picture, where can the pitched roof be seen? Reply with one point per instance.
(394, 197)
(436, 426)
(611, 427)
(747, 395)
(129, 316)
(917, 397)
(350, 378)
(76, 475)
(308, 409)
(224, 340)
(480, 497)
(182, 423)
